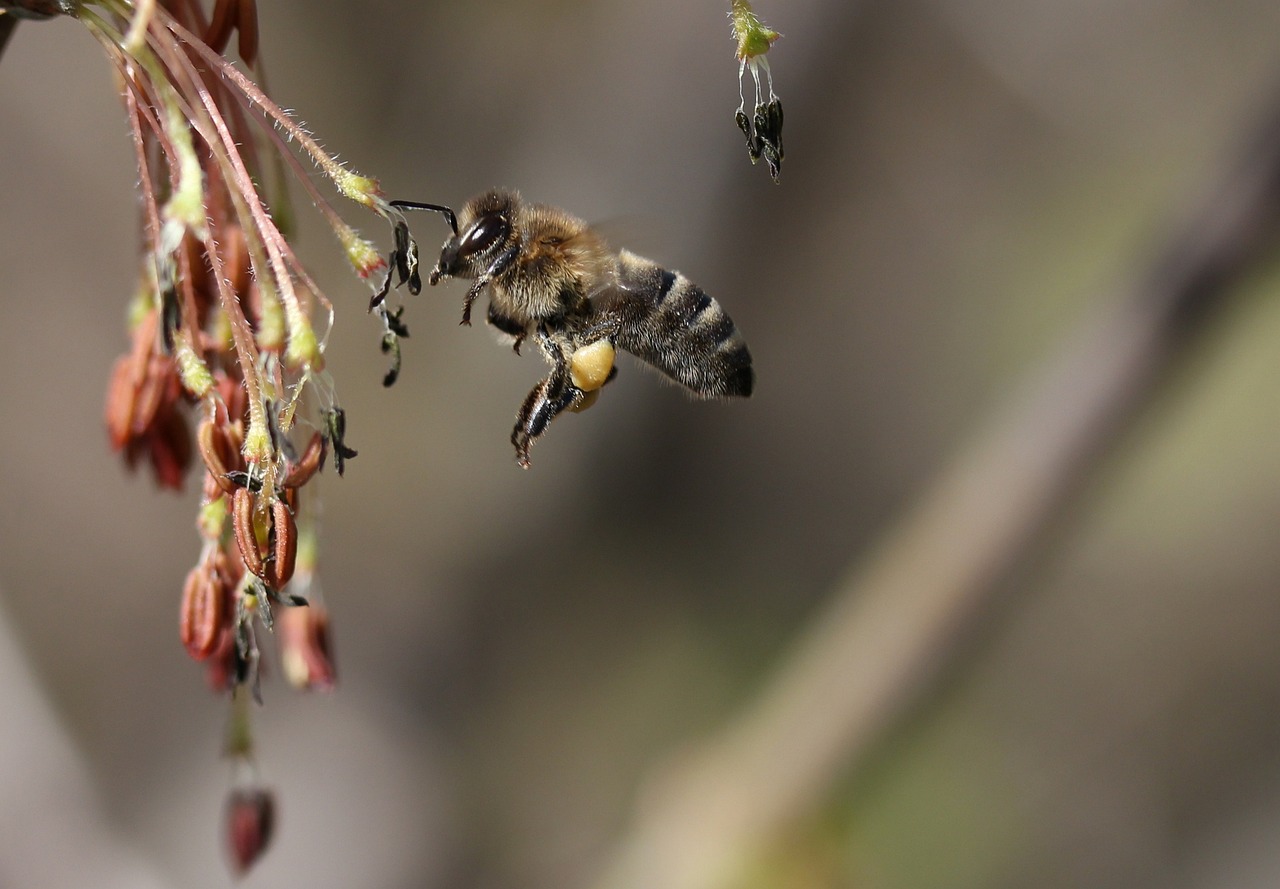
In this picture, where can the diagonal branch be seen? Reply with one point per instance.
(900, 616)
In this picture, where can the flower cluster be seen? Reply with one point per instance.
(764, 128)
(225, 362)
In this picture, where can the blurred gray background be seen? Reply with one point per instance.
(518, 651)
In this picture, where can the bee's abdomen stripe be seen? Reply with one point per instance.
(686, 334)
(666, 286)
(721, 329)
(703, 303)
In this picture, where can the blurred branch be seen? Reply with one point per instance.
(899, 618)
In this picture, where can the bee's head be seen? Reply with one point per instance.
(484, 230)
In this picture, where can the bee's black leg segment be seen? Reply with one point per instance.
(500, 265)
(509, 326)
(553, 349)
(470, 298)
(505, 258)
(438, 208)
(605, 325)
(548, 400)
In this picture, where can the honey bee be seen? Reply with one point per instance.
(553, 279)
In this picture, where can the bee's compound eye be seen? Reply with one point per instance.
(486, 231)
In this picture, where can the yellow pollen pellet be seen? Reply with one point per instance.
(590, 366)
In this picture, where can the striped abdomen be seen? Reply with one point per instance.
(669, 322)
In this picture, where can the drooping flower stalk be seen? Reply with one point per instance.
(223, 341)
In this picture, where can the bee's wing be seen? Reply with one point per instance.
(666, 320)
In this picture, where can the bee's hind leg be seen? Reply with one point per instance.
(548, 400)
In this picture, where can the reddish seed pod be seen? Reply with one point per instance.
(220, 24)
(169, 445)
(235, 259)
(214, 447)
(306, 656)
(211, 490)
(220, 666)
(284, 532)
(249, 820)
(152, 393)
(248, 25)
(120, 396)
(203, 617)
(308, 464)
(206, 435)
(193, 260)
(242, 506)
(235, 398)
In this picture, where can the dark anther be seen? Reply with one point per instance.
(335, 424)
(391, 346)
(774, 113)
(768, 124)
(396, 330)
(402, 265)
(279, 441)
(744, 124)
(764, 134)
(245, 480)
(170, 317)
(394, 324)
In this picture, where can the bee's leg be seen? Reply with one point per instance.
(505, 258)
(471, 298)
(510, 327)
(556, 347)
(548, 400)
(604, 325)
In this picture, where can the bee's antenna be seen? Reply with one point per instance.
(414, 205)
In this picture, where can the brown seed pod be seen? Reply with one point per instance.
(220, 450)
(235, 398)
(249, 821)
(284, 548)
(242, 507)
(120, 398)
(208, 440)
(308, 464)
(306, 655)
(203, 616)
(235, 259)
(248, 25)
(169, 445)
(152, 392)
